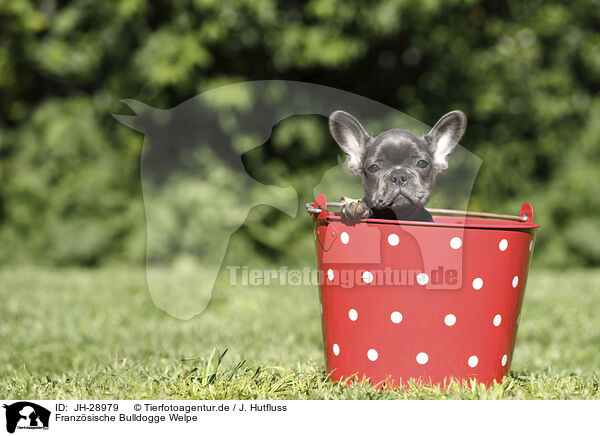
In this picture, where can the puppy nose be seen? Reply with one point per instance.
(399, 177)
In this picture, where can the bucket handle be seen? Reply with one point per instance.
(526, 216)
(320, 206)
(527, 212)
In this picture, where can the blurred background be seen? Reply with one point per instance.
(527, 74)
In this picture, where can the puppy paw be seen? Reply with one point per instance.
(355, 210)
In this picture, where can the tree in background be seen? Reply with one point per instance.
(526, 73)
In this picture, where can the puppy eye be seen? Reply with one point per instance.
(373, 168)
(422, 164)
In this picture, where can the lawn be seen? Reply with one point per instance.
(95, 333)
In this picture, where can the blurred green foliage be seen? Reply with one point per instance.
(527, 74)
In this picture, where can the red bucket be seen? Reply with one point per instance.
(429, 302)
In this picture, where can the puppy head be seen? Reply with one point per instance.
(398, 169)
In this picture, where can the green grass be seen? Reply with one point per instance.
(79, 333)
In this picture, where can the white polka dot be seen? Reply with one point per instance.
(353, 314)
(473, 361)
(396, 317)
(422, 358)
(450, 319)
(531, 246)
(372, 355)
(504, 360)
(321, 308)
(336, 349)
(497, 320)
(503, 245)
(330, 275)
(393, 239)
(344, 238)
(367, 277)
(515, 281)
(477, 283)
(422, 279)
(455, 242)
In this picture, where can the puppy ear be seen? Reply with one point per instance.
(351, 137)
(444, 137)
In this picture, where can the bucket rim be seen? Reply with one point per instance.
(467, 223)
(318, 209)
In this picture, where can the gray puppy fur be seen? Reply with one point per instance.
(397, 168)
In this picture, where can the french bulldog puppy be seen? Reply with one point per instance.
(397, 168)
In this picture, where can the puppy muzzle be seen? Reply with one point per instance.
(400, 187)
